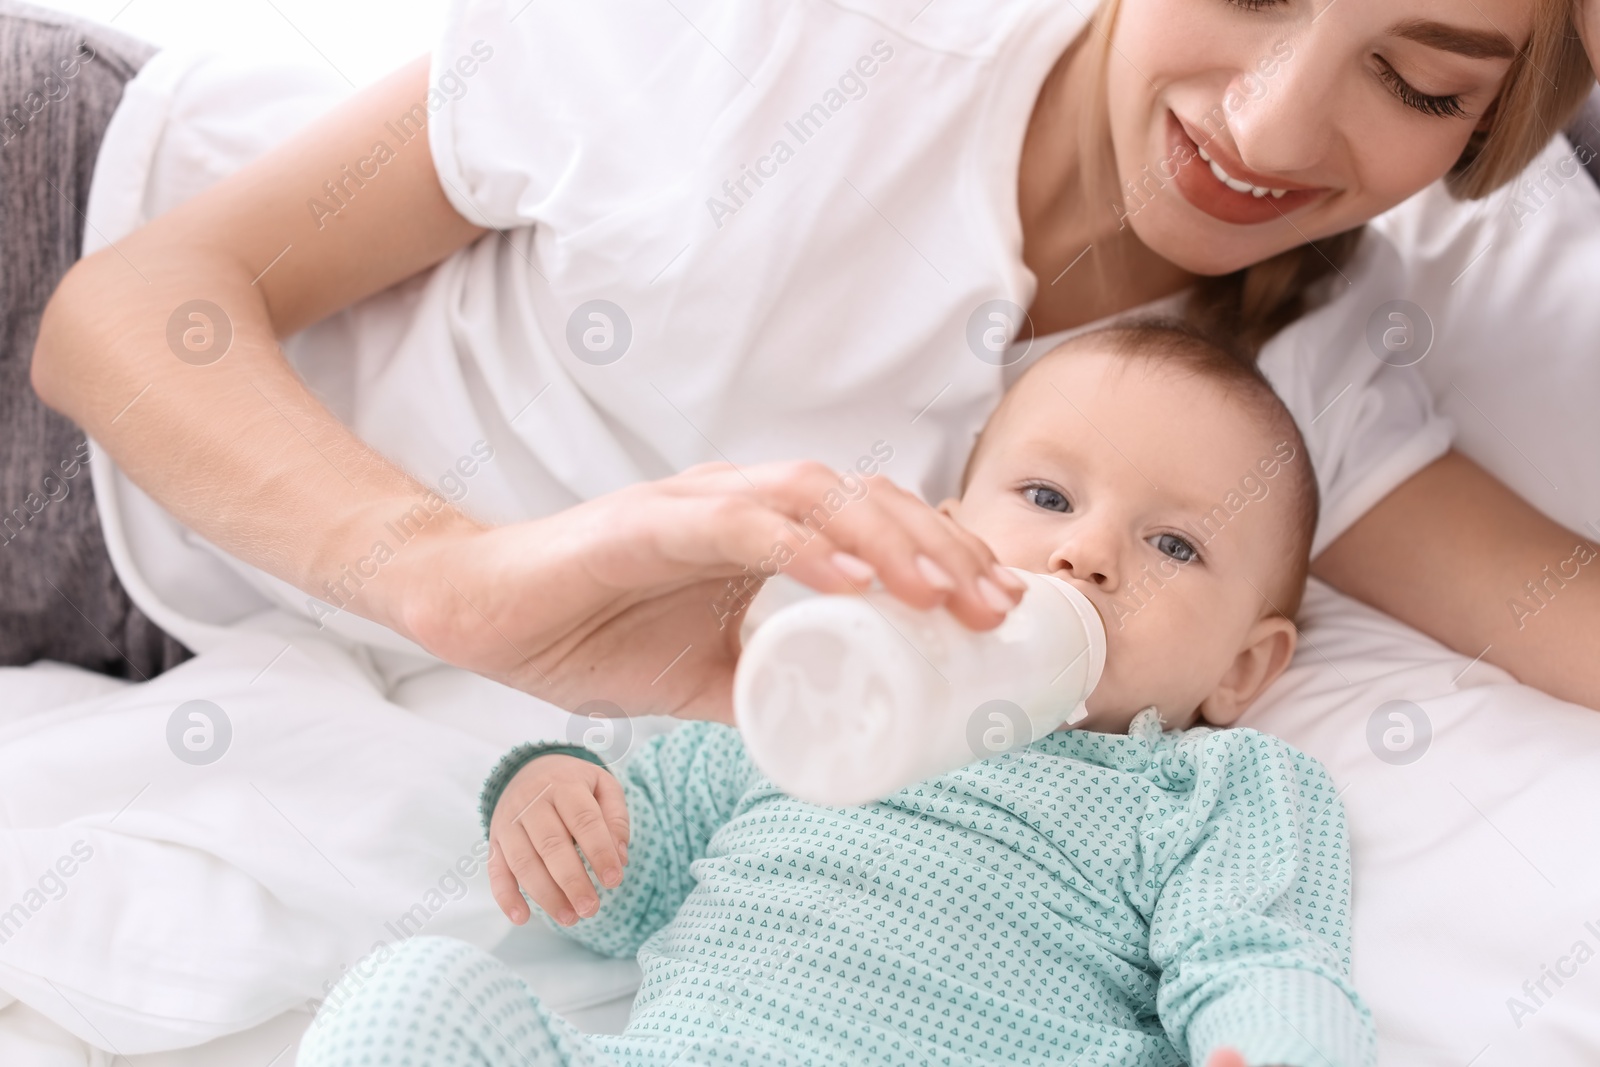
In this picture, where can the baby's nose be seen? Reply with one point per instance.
(1086, 564)
(1096, 577)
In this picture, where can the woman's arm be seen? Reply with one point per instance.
(1459, 556)
(239, 449)
(634, 597)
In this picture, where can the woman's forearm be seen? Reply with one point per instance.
(228, 438)
(239, 451)
(1459, 556)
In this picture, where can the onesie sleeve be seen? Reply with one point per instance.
(1251, 926)
(681, 788)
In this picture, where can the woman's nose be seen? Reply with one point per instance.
(1283, 123)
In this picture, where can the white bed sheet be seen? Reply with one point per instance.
(592, 991)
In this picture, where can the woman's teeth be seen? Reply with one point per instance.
(1235, 184)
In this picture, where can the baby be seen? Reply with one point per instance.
(1140, 890)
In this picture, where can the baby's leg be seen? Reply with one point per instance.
(439, 1002)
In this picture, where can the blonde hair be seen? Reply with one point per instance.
(1543, 89)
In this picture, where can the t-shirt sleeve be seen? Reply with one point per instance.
(1251, 921)
(532, 102)
(1392, 431)
(1347, 373)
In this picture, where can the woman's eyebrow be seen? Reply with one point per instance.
(1477, 44)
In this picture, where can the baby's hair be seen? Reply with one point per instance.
(1177, 344)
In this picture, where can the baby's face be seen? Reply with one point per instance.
(1118, 475)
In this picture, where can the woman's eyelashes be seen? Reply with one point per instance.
(1440, 106)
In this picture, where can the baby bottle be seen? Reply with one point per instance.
(847, 699)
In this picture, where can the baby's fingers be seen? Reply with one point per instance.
(503, 886)
(532, 874)
(552, 840)
(614, 808)
(581, 812)
(1226, 1057)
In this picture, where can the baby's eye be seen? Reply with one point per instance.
(1176, 547)
(1045, 497)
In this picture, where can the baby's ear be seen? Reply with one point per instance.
(1266, 653)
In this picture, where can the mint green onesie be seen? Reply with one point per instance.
(1092, 899)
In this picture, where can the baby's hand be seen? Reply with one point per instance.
(553, 802)
(1226, 1057)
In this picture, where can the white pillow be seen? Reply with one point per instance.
(1477, 872)
(45, 685)
(1471, 802)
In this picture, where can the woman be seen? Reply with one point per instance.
(790, 240)
(608, 574)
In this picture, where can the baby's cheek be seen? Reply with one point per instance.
(1151, 658)
(1123, 683)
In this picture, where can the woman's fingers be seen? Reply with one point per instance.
(741, 534)
(978, 594)
(922, 557)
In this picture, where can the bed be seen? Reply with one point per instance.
(1472, 800)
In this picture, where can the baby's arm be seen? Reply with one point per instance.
(1251, 927)
(656, 815)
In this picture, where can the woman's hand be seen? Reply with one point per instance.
(636, 597)
(554, 806)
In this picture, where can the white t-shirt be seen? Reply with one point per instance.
(727, 231)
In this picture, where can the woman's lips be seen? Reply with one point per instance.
(1204, 190)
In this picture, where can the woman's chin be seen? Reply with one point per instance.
(1199, 249)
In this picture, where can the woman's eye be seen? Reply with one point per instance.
(1045, 497)
(1441, 106)
(1176, 547)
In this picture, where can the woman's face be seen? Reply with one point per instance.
(1339, 108)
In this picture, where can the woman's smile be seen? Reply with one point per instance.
(1238, 194)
